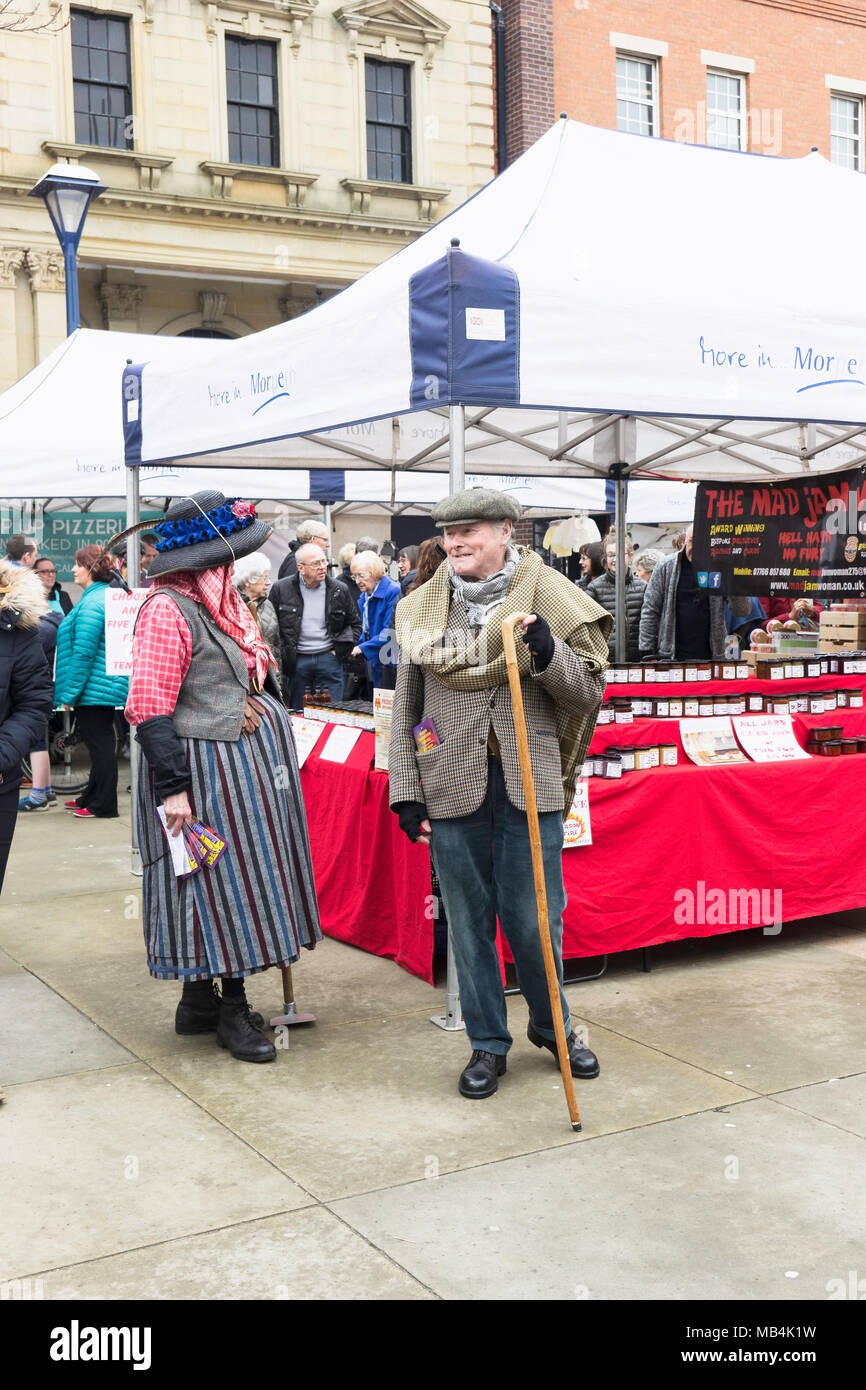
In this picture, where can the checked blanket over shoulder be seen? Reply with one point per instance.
(479, 662)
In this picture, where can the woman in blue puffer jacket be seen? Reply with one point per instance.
(379, 598)
(81, 681)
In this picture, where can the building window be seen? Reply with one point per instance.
(389, 121)
(251, 86)
(637, 95)
(726, 111)
(101, 80)
(846, 131)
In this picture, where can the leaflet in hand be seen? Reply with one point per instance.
(195, 848)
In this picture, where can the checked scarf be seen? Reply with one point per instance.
(214, 589)
(421, 620)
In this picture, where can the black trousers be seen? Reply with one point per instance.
(8, 811)
(96, 723)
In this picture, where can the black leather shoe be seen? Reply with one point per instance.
(583, 1062)
(239, 1034)
(202, 1015)
(478, 1077)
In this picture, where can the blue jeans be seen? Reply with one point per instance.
(316, 669)
(484, 866)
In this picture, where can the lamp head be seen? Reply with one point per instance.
(68, 190)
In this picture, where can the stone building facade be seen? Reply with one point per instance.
(258, 154)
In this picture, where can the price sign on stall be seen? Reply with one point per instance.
(121, 609)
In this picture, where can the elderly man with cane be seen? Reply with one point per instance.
(455, 781)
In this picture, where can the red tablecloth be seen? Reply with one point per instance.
(793, 828)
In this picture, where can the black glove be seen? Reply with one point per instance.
(165, 753)
(539, 639)
(410, 815)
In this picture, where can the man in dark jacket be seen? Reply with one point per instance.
(681, 620)
(603, 590)
(319, 625)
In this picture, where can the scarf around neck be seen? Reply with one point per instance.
(214, 590)
(421, 621)
(481, 597)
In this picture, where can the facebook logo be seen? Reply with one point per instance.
(715, 579)
(702, 579)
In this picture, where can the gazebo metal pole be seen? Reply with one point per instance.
(619, 522)
(456, 448)
(452, 1019)
(133, 578)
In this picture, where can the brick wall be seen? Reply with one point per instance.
(559, 58)
(528, 72)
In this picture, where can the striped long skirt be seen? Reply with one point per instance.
(257, 905)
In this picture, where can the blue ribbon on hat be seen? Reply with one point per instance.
(175, 534)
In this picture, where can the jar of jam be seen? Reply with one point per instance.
(675, 708)
(737, 704)
(676, 671)
(623, 712)
(626, 755)
(588, 769)
(841, 699)
(705, 670)
(798, 670)
(599, 764)
(829, 699)
(816, 702)
(855, 699)
(645, 758)
(705, 706)
(691, 707)
(662, 708)
(605, 715)
(690, 671)
(813, 668)
(755, 702)
(613, 764)
(668, 754)
(635, 675)
(720, 704)
(742, 670)
(654, 671)
(729, 670)
(781, 704)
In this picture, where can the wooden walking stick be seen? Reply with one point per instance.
(508, 626)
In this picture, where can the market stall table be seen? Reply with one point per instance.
(656, 835)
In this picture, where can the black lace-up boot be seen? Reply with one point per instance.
(199, 1009)
(237, 1031)
(478, 1078)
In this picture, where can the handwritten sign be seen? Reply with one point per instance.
(307, 734)
(120, 614)
(341, 741)
(578, 828)
(768, 738)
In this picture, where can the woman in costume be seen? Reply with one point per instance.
(218, 749)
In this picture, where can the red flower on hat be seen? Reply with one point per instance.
(243, 509)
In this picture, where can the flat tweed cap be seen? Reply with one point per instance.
(476, 504)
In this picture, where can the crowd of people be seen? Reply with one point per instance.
(222, 653)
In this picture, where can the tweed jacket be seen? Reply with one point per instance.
(451, 779)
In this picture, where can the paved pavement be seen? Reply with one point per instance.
(721, 1154)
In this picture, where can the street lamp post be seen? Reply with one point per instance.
(68, 190)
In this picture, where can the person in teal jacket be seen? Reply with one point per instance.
(81, 682)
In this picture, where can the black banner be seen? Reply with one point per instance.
(805, 538)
